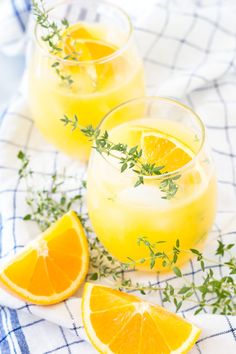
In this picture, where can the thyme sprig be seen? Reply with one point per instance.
(155, 254)
(53, 37)
(169, 187)
(102, 264)
(210, 292)
(54, 31)
(46, 204)
(24, 171)
(130, 158)
(217, 294)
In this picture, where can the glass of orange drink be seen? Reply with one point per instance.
(179, 204)
(88, 69)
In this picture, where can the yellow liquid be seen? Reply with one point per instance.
(96, 88)
(121, 213)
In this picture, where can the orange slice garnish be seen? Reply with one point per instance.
(80, 43)
(51, 267)
(164, 150)
(81, 47)
(119, 323)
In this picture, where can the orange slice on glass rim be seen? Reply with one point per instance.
(119, 323)
(80, 43)
(81, 47)
(51, 267)
(165, 150)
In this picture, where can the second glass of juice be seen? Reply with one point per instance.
(180, 203)
(94, 67)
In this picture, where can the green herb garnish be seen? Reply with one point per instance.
(46, 204)
(53, 37)
(215, 293)
(129, 158)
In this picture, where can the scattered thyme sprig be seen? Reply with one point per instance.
(102, 264)
(210, 292)
(154, 254)
(129, 158)
(24, 171)
(218, 294)
(53, 37)
(46, 204)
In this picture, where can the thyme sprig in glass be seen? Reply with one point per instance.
(54, 31)
(53, 37)
(130, 158)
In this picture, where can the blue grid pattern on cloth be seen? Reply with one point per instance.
(189, 52)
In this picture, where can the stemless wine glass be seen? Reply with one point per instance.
(94, 67)
(179, 204)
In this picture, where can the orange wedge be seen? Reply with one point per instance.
(80, 44)
(51, 267)
(164, 150)
(73, 44)
(119, 323)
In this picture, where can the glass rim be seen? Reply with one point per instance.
(102, 60)
(170, 101)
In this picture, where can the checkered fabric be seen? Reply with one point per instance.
(189, 50)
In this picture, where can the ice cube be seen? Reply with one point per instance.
(144, 196)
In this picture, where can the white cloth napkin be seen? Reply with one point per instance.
(189, 50)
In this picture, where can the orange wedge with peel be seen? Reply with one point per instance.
(119, 323)
(80, 43)
(81, 47)
(73, 45)
(51, 267)
(165, 150)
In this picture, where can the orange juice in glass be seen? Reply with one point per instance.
(178, 204)
(95, 68)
